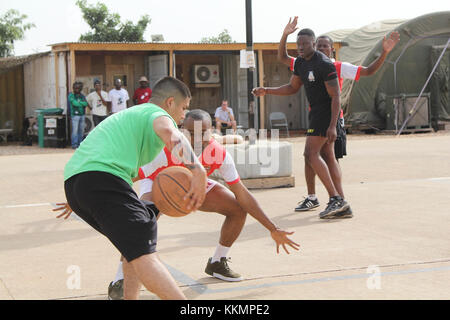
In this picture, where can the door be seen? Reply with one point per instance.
(158, 67)
(123, 71)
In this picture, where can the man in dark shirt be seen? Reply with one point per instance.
(318, 74)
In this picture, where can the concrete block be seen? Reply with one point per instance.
(265, 158)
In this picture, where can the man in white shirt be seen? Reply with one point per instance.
(98, 102)
(118, 97)
(225, 117)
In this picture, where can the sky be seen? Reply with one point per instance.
(190, 20)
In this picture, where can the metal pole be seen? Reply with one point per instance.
(250, 82)
(413, 111)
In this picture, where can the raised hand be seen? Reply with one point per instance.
(390, 43)
(291, 26)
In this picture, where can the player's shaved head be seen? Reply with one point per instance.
(170, 87)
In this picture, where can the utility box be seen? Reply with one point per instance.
(399, 107)
(41, 124)
(54, 131)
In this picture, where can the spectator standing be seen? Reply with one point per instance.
(98, 103)
(143, 93)
(78, 105)
(118, 97)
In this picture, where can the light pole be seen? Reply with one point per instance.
(250, 82)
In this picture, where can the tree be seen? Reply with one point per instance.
(106, 26)
(223, 37)
(12, 28)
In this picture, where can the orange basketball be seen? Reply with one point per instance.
(169, 189)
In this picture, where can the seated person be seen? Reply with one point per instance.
(224, 117)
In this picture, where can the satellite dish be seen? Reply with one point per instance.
(157, 38)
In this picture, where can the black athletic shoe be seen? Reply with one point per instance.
(307, 204)
(336, 205)
(222, 271)
(346, 214)
(115, 291)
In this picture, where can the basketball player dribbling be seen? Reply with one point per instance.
(98, 182)
(233, 204)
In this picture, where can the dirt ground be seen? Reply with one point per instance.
(397, 246)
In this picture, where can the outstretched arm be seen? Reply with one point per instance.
(286, 90)
(283, 55)
(250, 205)
(388, 45)
(181, 149)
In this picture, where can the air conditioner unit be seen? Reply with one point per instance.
(398, 109)
(207, 73)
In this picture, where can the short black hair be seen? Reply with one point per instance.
(170, 87)
(97, 82)
(77, 83)
(199, 115)
(306, 32)
(326, 37)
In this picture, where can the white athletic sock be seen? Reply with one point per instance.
(221, 252)
(312, 197)
(119, 274)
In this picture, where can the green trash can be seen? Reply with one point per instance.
(40, 119)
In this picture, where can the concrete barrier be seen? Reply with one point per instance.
(263, 159)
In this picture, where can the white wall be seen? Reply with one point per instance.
(39, 82)
(62, 81)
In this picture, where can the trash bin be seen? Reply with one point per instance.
(40, 119)
(55, 131)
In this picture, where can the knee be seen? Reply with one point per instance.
(308, 155)
(328, 156)
(235, 212)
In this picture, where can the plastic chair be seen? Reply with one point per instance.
(280, 121)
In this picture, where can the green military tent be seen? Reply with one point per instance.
(386, 99)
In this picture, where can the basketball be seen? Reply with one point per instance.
(169, 189)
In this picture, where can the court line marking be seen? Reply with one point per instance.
(7, 289)
(325, 279)
(203, 289)
(436, 179)
(25, 205)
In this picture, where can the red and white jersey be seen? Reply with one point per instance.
(214, 157)
(344, 70)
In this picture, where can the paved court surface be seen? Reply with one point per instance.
(396, 247)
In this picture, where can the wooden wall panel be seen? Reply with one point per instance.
(12, 103)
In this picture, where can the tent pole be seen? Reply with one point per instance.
(413, 111)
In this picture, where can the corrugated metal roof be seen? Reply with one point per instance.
(14, 61)
(159, 43)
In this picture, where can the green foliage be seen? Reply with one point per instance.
(107, 27)
(223, 37)
(12, 28)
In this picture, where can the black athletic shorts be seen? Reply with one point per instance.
(340, 145)
(110, 206)
(319, 122)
